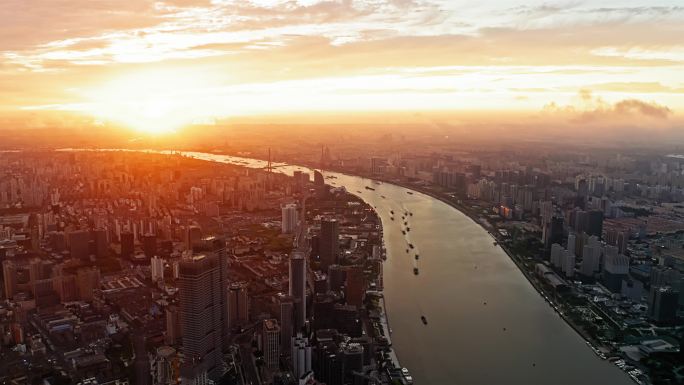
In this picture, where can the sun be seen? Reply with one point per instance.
(151, 102)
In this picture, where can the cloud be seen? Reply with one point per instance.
(592, 108)
(631, 106)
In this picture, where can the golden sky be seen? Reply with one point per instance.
(158, 65)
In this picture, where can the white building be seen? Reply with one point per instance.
(157, 268)
(289, 218)
(556, 255)
(301, 356)
(568, 263)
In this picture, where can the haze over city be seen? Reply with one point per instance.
(341, 192)
(158, 66)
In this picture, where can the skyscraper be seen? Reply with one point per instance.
(238, 305)
(595, 223)
(201, 309)
(329, 242)
(286, 322)
(127, 244)
(270, 342)
(150, 245)
(298, 287)
(289, 218)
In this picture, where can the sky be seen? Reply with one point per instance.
(155, 66)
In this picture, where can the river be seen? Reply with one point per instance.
(486, 323)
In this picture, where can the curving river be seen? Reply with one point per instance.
(486, 324)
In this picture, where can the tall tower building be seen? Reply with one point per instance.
(127, 244)
(238, 305)
(270, 341)
(329, 242)
(217, 246)
(202, 309)
(298, 287)
(286, 322)
(289, 218)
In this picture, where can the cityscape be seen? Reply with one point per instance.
(352, 192)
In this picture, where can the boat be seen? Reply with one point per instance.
(407, 250)
(410, 213)
(408, 229)
(417, 256)
(370, 188)
(382, 196)
(422, 318)
(415, 271)
(358, 191)
(411, 245)
(392, 212)
(392, 218)
(409, 192)
(403, 232)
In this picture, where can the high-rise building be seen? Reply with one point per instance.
(157, 268)
(572, 242)
(192, 235)
(289, 218)
(662, 304)
(163, 367)
(88, 279)
(202, 310)
(217, 246)
(173, 325)
(238, 305)
(557, 255)
(318, 178)
(352, 354)
(301, 356)
(552, 233)
(595, 223)
(286, 322)
(101, 243)
(79, 244)
(355, 288)
(127, 244)
(298, 287)
(616, 268)
(150, 245)
(568, 263)
(329, 242)
(591, 260)
(270, 342)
